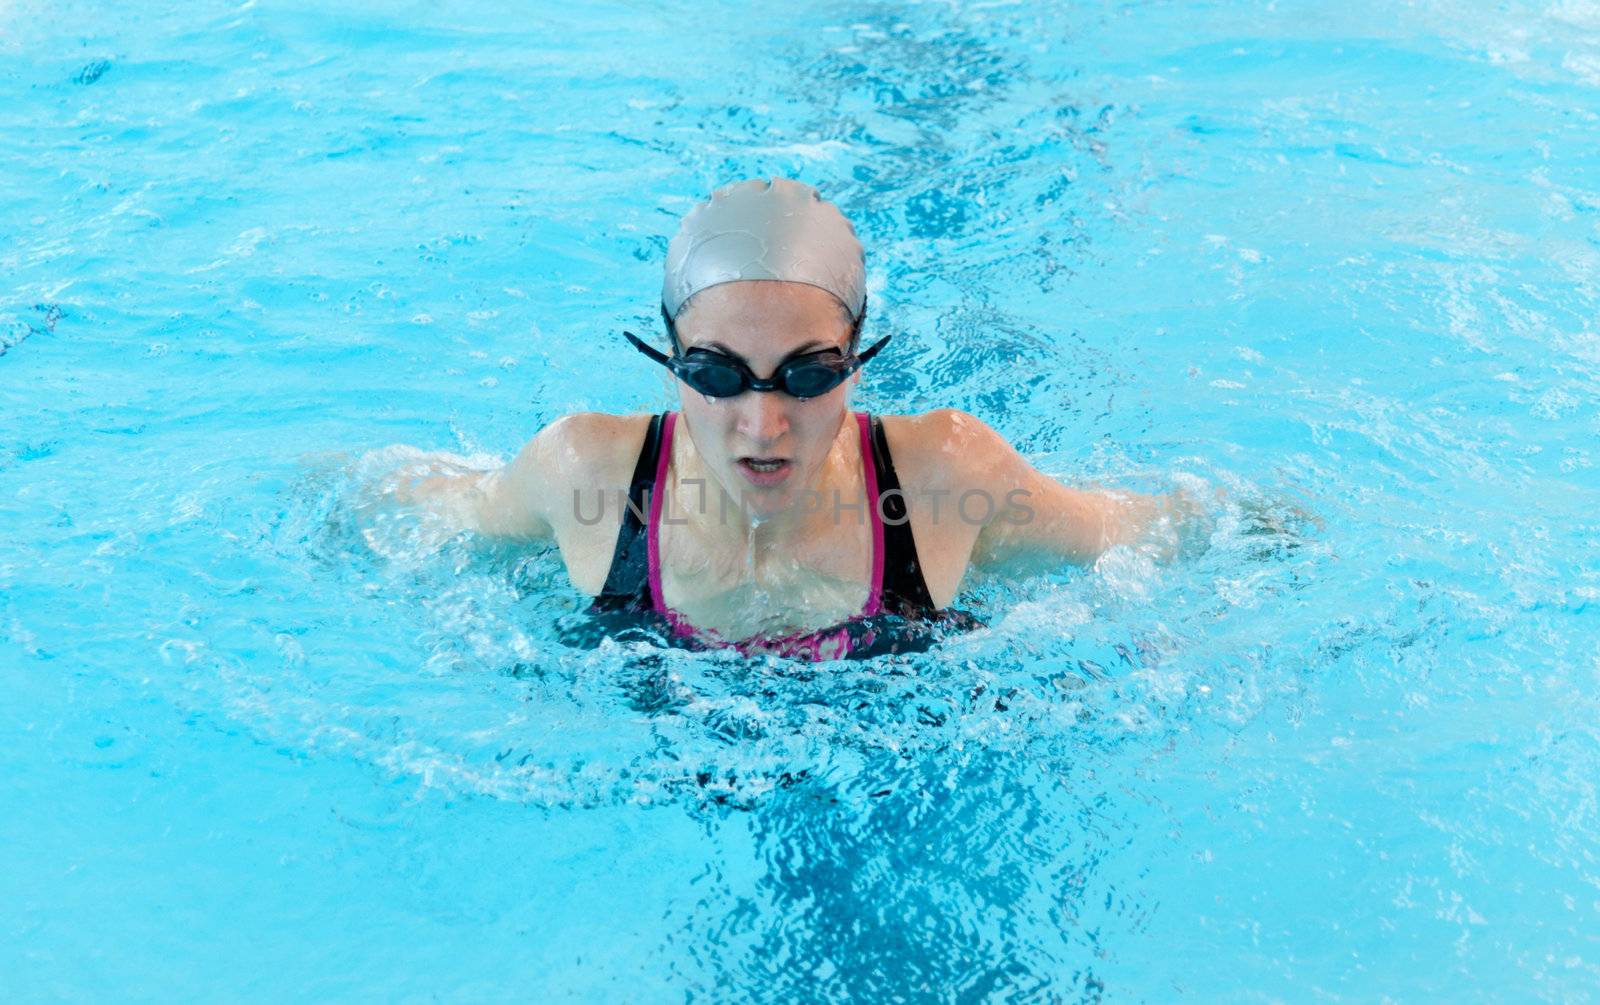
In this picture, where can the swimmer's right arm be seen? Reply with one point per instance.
(529, 497)
(516, 500)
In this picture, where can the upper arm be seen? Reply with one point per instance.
(528, 496)
(1029, 512)
(575, 456)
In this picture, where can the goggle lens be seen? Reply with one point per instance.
(716, 380)
(809, 380)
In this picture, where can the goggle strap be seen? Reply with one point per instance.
(872, 350)
(654, 354)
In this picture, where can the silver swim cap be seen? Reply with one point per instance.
(778, 229)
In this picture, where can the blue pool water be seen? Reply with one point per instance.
(1341, 261)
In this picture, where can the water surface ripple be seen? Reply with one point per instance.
(1337, 263)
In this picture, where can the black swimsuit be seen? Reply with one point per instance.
(900, 615)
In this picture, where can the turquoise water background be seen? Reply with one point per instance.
(1340, 262)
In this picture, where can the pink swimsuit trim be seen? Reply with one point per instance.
(822, 645)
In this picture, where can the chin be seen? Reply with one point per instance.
(765, 503)
(761, 503)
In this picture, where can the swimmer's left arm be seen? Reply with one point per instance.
(1033, 515)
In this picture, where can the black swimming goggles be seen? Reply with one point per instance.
(718, 375)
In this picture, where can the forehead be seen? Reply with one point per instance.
(758, 316)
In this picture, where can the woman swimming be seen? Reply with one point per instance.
(764, 514)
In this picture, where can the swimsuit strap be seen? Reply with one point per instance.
(905, 591)
(628, 582)
(652, 530)
(869, 468)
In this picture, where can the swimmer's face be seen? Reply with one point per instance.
(764, 323)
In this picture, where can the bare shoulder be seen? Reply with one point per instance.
(579, 452)
(593, 448)
(946, 448)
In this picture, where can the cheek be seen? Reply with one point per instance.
(821, 419)
(707, 421)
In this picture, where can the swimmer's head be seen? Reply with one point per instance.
(773, 273)
(766, 230)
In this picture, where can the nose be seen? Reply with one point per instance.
(763, 417)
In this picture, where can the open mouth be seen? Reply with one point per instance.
(765, 471)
